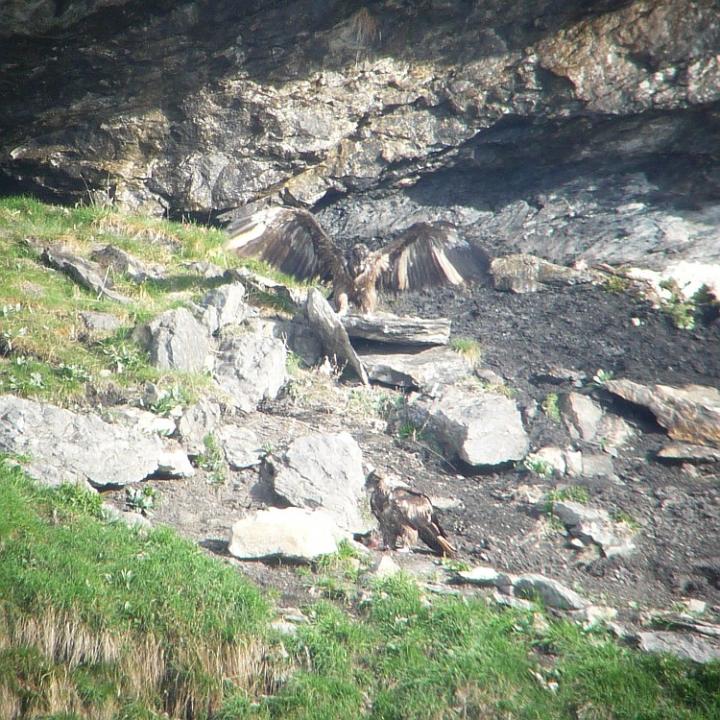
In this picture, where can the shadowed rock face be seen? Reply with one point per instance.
(538, 126)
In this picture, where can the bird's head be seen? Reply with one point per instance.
(356, 258)
(375, 482)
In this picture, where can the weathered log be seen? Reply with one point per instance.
(389, 328)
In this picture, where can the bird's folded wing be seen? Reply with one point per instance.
(290, 240)
(429, 255)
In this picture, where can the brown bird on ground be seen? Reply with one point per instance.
(404, 515)
(292, 241)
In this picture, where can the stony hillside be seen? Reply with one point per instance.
(197, 395)
(560, 414)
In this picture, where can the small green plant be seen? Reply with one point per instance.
(617, 284)
(681, 311)
(454, 565)
(213, 460)
(176, 396)
(467, 347)
(122, 354)
(293, 363)
(551, 407)
(497, 388)
(538, 466)
(141, 500)
(601, 377)
(575, 493)
(620, 516)
(409, 430)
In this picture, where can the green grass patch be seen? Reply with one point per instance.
(42, 354)
(96, 613)
(551, 407)
(408, 656)
(100, 620)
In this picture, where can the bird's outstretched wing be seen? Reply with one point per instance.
(427, 255)
(417, 511)
(290, 240)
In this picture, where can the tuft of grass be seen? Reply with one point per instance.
(538, 466)
(617, 284)
(469, 348)
(681, 312)
(575, 493)
(551, 407)
(213, 460)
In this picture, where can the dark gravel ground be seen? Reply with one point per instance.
(491, 520)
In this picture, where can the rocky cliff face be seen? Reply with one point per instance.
(568, 129)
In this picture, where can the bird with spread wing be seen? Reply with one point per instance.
(292, 240)
(405, 515)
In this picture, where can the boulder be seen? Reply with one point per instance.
(485, 576)
(175, 341)
(84, 272)
(121, 262)
(196, 422)
(292, 533)
(428, 370)
(690, 413)
(591, 524)
(388, 328)
(682, 645)
(240, 445)
(98, 325)
(523, 273)
(224, 305)
(582, 416)
(551, 592)
(250, 368)
(689, 452)
(62, 446)
(481, 428)
(324, 471)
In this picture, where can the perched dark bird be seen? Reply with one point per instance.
(423, 256)
(404, 515)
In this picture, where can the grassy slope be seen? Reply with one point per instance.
(40, 351)
(98, 620)
(104, 621)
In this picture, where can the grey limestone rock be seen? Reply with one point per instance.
(333, 335)
(683, 645)
(63, 446)
(176, 341)
(241, 446)
(196, 422)
(481, 428)
(385, 327)
(295, 534)
(97, 325)
(551, 592)
(84, 272)
(582, 416)
(118, 261)
(224, 305)
(591, 524)
(430, 370)
(324, 471)
(250, 368)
